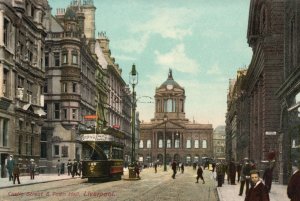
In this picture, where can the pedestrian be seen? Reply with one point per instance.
(200, 175)
(79, 168)
(220, 174)
(137, 170)
(245, 177)
(155, 167)
(238, 171)
(182, 168)
(31, 169)
(69, 167)
(224, 169)
(293, 191)
(258, 191)
(174, 169)
(58, 167)
(74, 168)
(195, 166)
(232, 172)
(10, 167)
(268, 176)
(16, 172)
(213, 166)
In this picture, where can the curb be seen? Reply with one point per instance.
(39, 182)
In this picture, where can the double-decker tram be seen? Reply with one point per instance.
(102, 154)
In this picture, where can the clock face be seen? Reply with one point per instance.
(169, 86)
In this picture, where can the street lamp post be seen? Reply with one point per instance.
(133, 79)
(165, 143)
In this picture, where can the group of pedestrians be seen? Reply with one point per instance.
(74, 168)
(13, 169)
(256, 188)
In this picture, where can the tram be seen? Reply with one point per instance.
(102, 154)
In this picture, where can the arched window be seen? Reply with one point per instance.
(148, 144)
(188, 143)
(141, 144)
(263, 20)
(188, 159)
(196, 145)
(168, 143)
(160, 143)
(177, 143)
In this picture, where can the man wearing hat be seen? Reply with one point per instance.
(31, 169)
(294, 183)
(10, 167)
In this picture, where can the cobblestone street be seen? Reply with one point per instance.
(152, 186)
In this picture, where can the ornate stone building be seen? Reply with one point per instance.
(22, 73)
(289, 93)
(119, 102)
(256, 107)
(236, 119)
(74, 81)
(219, 136)
(185, 141)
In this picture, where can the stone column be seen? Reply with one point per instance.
(1, 30)
(1, 79)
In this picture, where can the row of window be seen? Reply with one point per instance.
(169, 105)
(64, 59)
(62, 113)
(26, 145)
(176, 144)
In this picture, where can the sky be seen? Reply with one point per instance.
(204, 42)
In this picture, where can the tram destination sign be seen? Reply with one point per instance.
(96, 137)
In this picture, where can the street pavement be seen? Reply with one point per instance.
(230, 192)
(41, 178)
(154, 187)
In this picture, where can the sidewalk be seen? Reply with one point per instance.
(230, 192)
(41, 178)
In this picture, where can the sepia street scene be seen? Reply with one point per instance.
(150, 100)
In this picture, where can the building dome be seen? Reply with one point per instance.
(170, 83)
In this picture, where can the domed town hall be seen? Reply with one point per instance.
(185, 141)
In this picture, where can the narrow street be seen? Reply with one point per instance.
(152, 186)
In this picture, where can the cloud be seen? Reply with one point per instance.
(170, 23)
(137, 44)
(214, 70)
(177, 59)
(125, 58)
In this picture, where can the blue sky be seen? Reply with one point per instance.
(203, 42)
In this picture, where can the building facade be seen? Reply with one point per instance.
(219, 142)
(119, 100)
(257, 107)
(71, 90)
(184, 141)
(236, 119)
(22, 74)
(289, 93)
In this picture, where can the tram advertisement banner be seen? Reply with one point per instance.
(96, 137)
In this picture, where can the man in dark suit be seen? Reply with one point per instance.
(174, 165)
(200, 174)
(293, 191)
(258, 191)
(245, 177)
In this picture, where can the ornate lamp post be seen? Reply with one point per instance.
(133, 80)
(165, 143)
